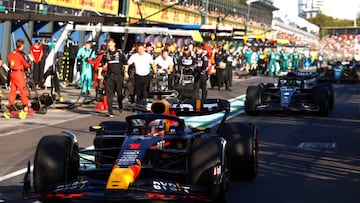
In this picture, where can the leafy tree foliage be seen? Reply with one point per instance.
(323, 20)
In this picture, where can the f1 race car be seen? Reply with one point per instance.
(340, 72)
(294, 92)
(150, 156)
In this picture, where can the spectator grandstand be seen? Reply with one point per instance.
(339, 47)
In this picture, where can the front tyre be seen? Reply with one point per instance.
(253, 98)
(243, 149)
(206, 155)
(56, 162)
(321, 99)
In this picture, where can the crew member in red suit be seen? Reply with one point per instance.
(18, 65)
(99, 82)
(36, 51)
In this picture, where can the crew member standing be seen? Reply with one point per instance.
(295, 59)
(86, 70)
(98, 75)
(18, 64)
(230, 57)
(202, 62)
(36, 51)
(114, 62)
(143, 62)
(187, 63)
(165, 64)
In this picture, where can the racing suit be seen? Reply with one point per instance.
(202, 62)
(18, 64)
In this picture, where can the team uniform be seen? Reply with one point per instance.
(114, 78)
(18, 65)
(36, 51)
(186, 67)
(142, 65)
(86, 69)
(163, 67)
(98, 83)
(202, 62)
(285, 57)
(295, 59)
(230, 58)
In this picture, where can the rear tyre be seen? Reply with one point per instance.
(321, 98)
(56, 162)
(243, 149)
(206, 153)
(253, 98)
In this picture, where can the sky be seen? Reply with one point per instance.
(342, 9)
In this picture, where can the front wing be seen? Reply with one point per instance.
(301, 107)
(147, 189)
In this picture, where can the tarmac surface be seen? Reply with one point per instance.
(303, 158)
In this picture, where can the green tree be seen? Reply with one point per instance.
(323, 20)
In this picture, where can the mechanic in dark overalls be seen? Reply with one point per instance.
(186, 67)
(230, 57)
(114, 62)
(220, 70)
(202, 62)
(174, 76)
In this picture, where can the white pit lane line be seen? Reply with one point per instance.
(24, 170)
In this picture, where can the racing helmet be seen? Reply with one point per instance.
(157, 127)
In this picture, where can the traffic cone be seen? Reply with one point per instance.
(105, 103)
(102, 105)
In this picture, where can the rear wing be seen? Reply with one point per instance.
(201, 107)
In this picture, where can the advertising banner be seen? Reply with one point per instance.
(101, 6)
(171, 15)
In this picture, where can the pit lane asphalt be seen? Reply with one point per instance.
(287, 172)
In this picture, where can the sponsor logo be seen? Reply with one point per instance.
(170, 186)
(190, 107)
(71, 186)
(128, 157)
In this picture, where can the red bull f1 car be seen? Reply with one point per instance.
(293, 92)
(150, 156)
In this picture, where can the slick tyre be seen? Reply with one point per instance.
(206, 153)
(321, 98)
(243, 149)
(330, 89)
(253, 98)
(56, 162)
